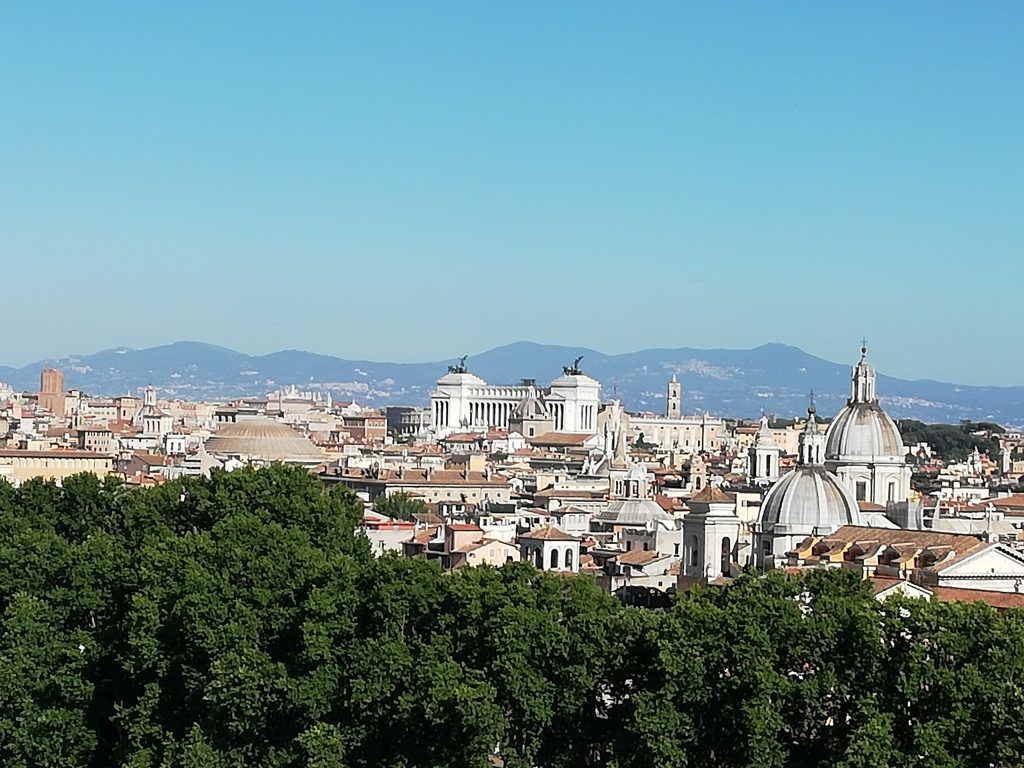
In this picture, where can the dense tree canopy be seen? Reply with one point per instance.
(952, 442)
(241, 621)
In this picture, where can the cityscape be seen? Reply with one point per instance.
(646, 503)
(533, 385)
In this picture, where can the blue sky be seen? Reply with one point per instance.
(412, 181)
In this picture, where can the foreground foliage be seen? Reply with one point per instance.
(241, 621)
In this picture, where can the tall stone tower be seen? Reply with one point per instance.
(674, 404)
(51, 391)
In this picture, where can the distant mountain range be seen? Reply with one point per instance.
(774, 378)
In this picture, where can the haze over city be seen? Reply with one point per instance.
(416, 181)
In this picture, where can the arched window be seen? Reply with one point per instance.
(568, 559)
(696, 483)
(726, 555)
(768, 465)
(554, 559)
(694, 546)
(537, 558)
(892, 490)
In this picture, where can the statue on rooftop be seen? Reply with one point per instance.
(574, 369)
(461, 367)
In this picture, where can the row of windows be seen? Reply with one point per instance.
(726, 553)
(862, 490)
(553, 559)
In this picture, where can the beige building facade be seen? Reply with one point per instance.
(19, 466)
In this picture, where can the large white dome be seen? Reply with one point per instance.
(863, 430)
(810, 499)
(263, 438)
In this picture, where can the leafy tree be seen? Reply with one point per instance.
(952, 442)
(400, 506)
(44, 687)
(240, 620)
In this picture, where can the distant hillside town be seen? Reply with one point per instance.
(562, 475)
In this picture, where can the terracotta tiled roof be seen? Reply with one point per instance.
(1000, 600)
(569, 494)
(571, 509)
(639, 557)
(880, 584)
(464, 527)
(549, 533)
(464, 437)
(711, 494)
(933, 549)
(424, 537)
(559, 438)
(1012, 504)
(481, 543)
(896, 536)
(869, 506)
(669, 504)
(152, 459)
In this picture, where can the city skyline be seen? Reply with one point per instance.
(396, 183)
(511, 384)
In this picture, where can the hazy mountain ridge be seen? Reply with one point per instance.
(775, 378)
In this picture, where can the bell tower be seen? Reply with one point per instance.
(674, 402)
(764, 456)
(812, 441)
